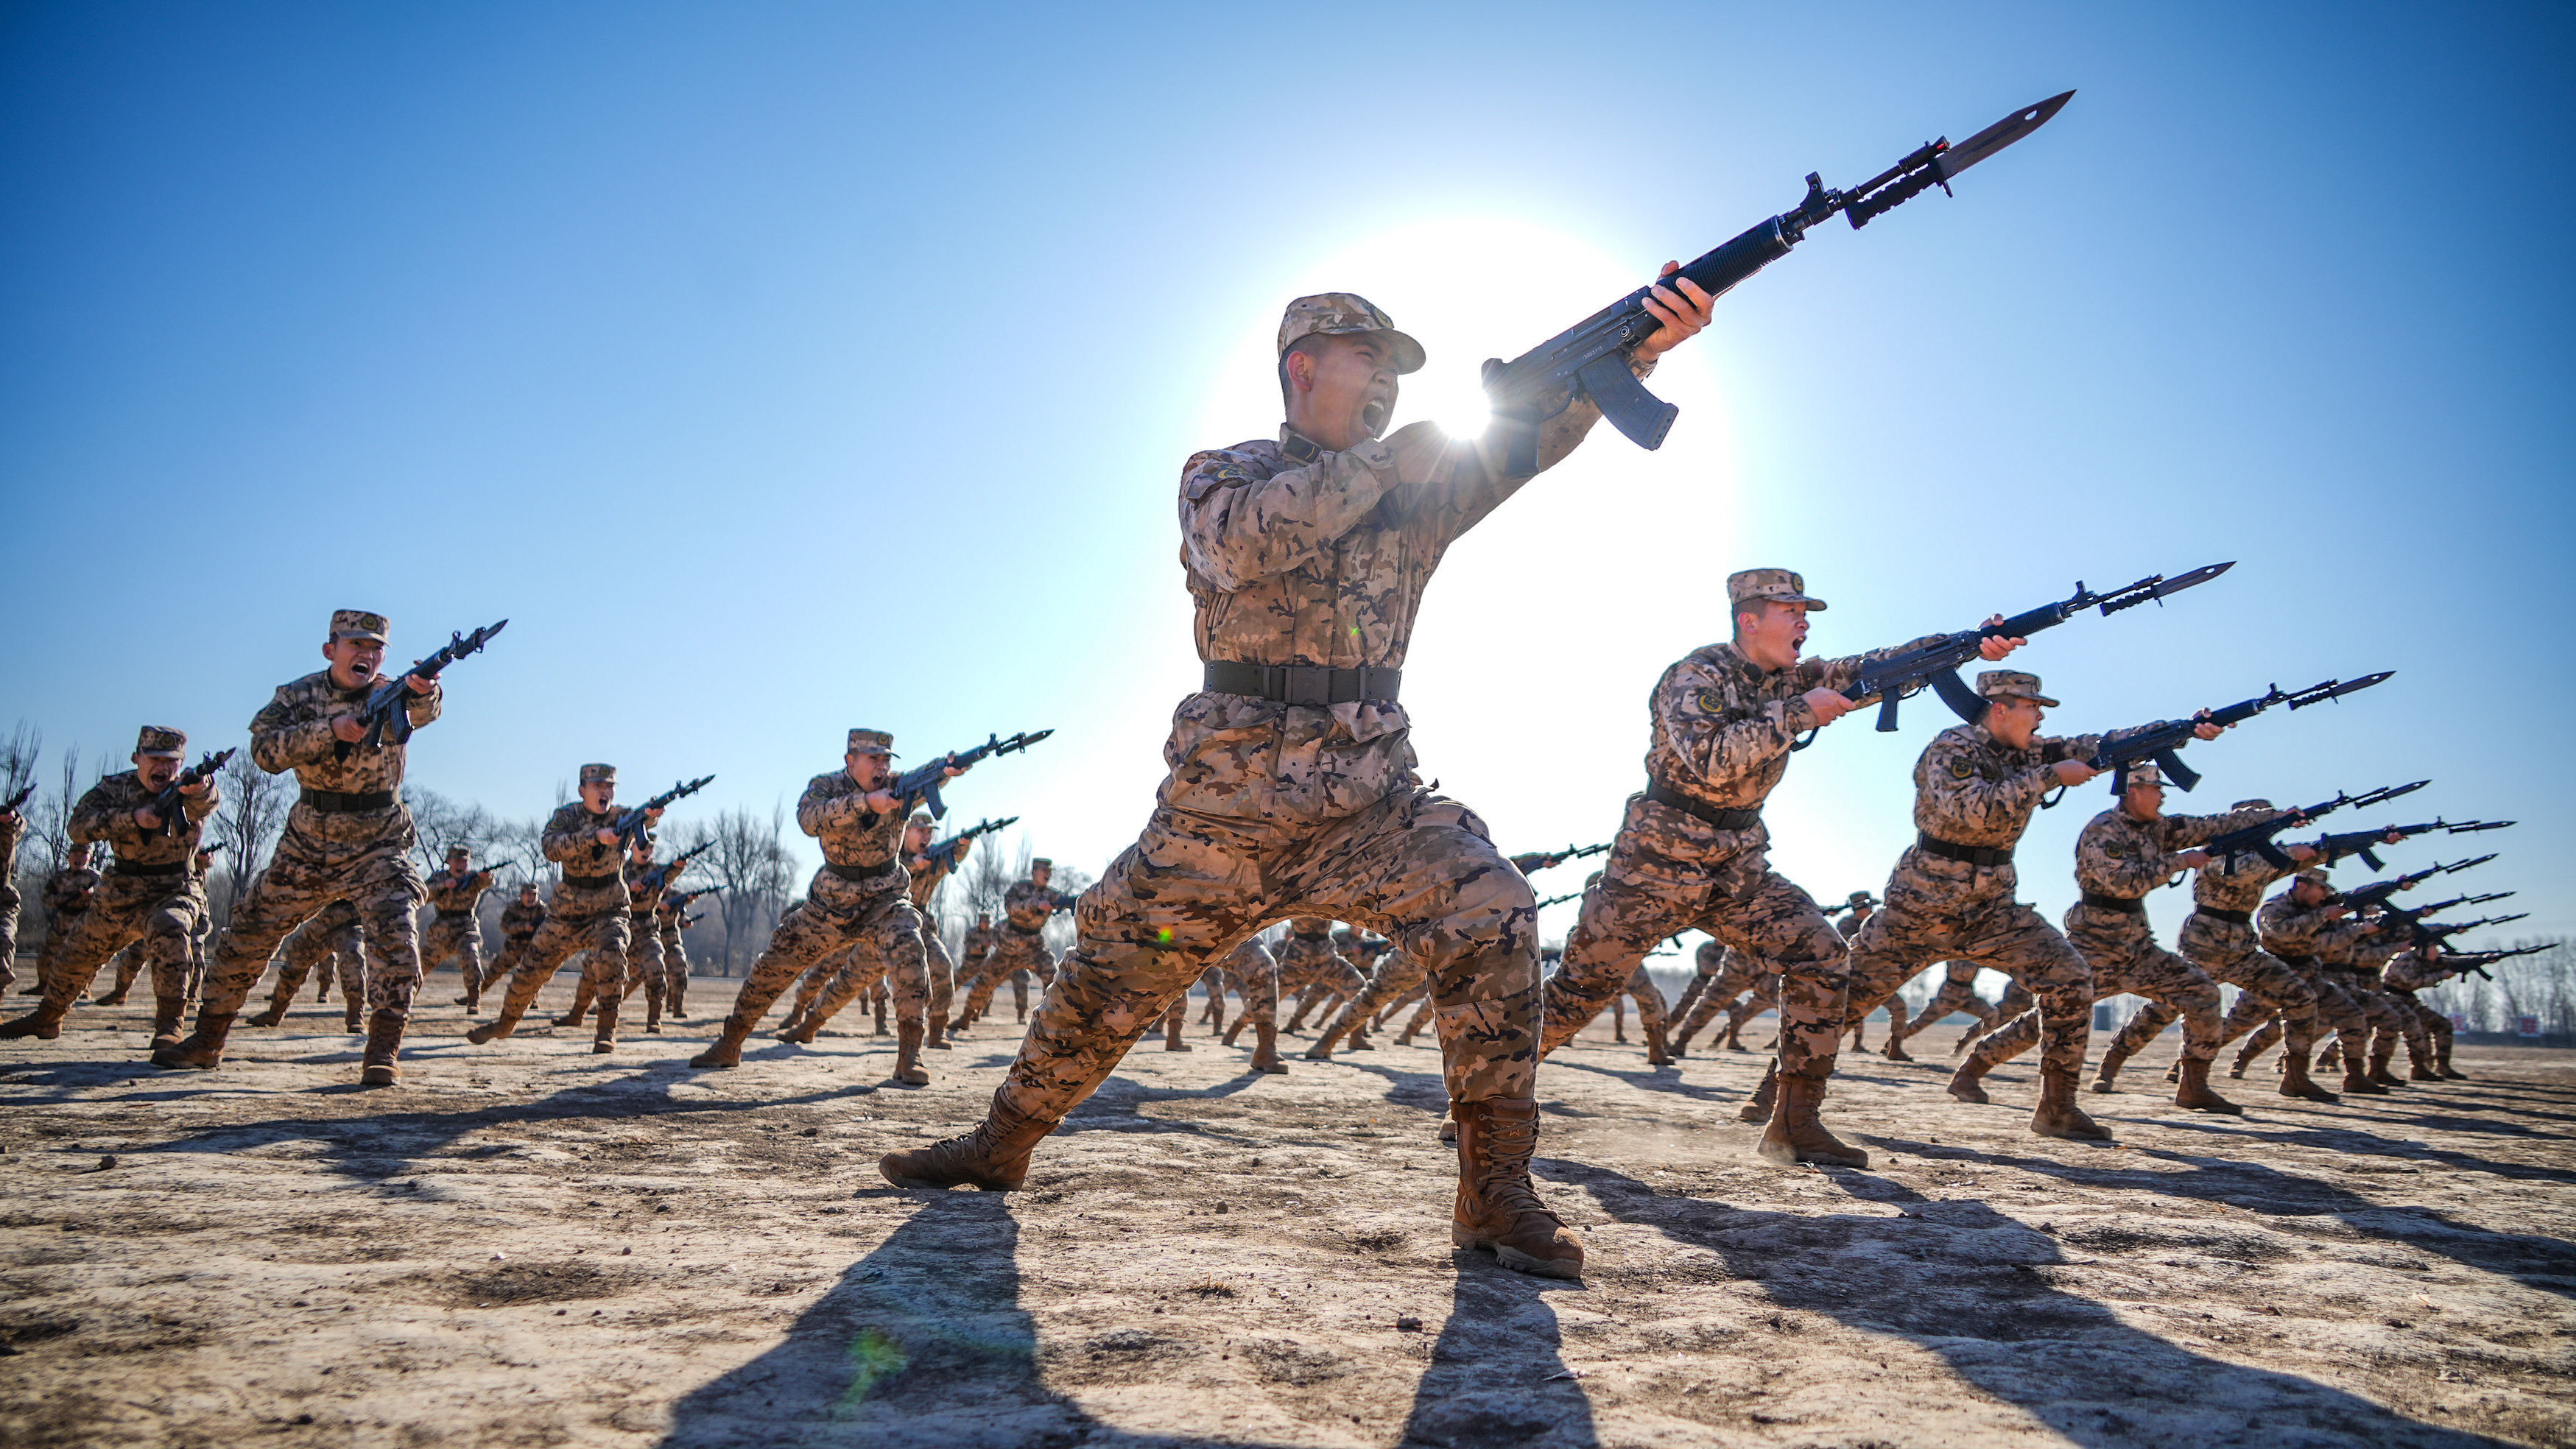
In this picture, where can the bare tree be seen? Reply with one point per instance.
(247, 822)
(439, 822)
(747, 855)
(51, 824)
(19, 751)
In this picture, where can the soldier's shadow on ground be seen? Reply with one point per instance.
(924, 1342)
(1978, 1288)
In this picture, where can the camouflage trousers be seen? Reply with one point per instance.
(643, 956)
(1723, 990)
(877, 937)
(2337, 1010)
(1958, 993)
(942, 971)
(1414, 866)
(2233, 954)
(1014, 952)
(332, 939)
(1260, 992)
(514, 949)
(603, 970)
(1662, 879)
(1395, 976)
(9, 902)
(675, 963)
(1949, 910)
(127, 911)
(2124, 958)
(458, 938)
(302, 878)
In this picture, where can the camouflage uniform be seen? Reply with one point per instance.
(971, 974)
(2119, 859)
(331, 940)
(1311, 967)
(1255, 973)
(859, 900)
(1387, 976)
(1692, 850)
(589, 913)
(66, 895)
(1973, 797)
(669, 920)
(519, 923)
(2288, 940)
(2352, 953)
(1724, 975)
(454, 931)
(150, 897)
(1958, 992)
(644, 939)
(2428, 1032)
(348, 837)
(928, 872)
(13, 828)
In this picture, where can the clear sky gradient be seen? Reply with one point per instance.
(776, 369)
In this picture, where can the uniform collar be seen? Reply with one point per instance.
(1300, 449)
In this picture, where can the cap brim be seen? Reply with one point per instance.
(1409, 355)
(161, 754)
(339, 634)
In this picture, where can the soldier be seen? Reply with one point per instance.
(1723, 977)
(2428, 1032)
(589, 912)
(2122, 854)
(1958, 993)
(1256, 972)
(519, 922)
(1311, 965)
(1857, 908)
(861, 896)
(330, 941)
(66, 894)
(150, 896)
(1389, 976)
(1951, 894)
(2219, 937)
(203, 930)
(2300, 926)
(1693, 851)
(1292, 787)
(454, 931)
(348, 837)
(670, 918)
(643, 940)
(927, 872)
(13, 829)
(2351, 955)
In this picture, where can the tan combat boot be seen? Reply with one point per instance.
(2379, 1066)
(166, 1014)
(384, 1044)
(2106, 1076)
(2356, 1075)
(2057, 1115)
(1965, 1082)
(355, 1011)
(1895, 1050)
(2195, 1093)
(1657, 1055)
(678, 992)
(44, 1023)
(881, 1010)
(907, 1054)
(799, 1030)
(604, 1038)
(276, 1013)
(204, 1048)
(1172, 1034)
(582, 998)
(515, 1002)
(993, 1158)
(726, 1049)
(1497, 1208)
(1757, 1108)
(1797, 1135)
(1265, 1046)
(937, 1041)
(2295, 1081)
(1236, 1030)
(2442, 1063)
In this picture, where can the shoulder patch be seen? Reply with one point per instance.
(1712, 701)
(1961, 767)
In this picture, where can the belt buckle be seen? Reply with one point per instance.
(1306, 684)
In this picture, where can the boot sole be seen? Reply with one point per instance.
(1515, 1259)
(379, 1077)
(2227, 1109)
(703, 1065)
(2069, 1134)
(926, 1184)
(1782, 1154)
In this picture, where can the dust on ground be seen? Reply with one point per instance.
(530, 1244)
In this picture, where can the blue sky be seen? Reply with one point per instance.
(777, 369)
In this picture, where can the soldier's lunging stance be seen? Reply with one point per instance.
(454, 932)
(348, 838)
(1292, 788)
(588, 912)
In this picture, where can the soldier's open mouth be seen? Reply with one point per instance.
(1373, 415)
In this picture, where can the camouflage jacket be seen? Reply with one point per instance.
(1027, 906)
(1709, 959)
(67, 891)
(1295, 555)
(1848, 924)
(927, 873)
(13, 829)
(1723, 724)
(2120, 855)
(2237, 884)
(2292, 930)
(2409, 971)
(834, 810)
(1972, 789)
(294, 733)
(457, 895)
(572, 842)
(519, 921)
(2366, 944)
(1249, 960)
(106, 813)
(979, 944)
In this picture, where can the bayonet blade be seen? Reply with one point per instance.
(2322, 693)
(1997, 136)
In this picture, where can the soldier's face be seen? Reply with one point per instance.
(78, 856)
(916, 838)
(156, 771)
(1342, 391)
(354, 661)
(2147, 802)
(2014, 720)
(867, 771)
(1771, 633)
(2308, 894)
(527, 895)
(1042, 874)
(598, 794)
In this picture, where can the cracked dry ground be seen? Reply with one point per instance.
(529, 1244)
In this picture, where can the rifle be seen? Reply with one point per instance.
(170, 806)
(661, 874)
(2378, 892)
(2258, 838)
(700, 916)
(960, 840)
(387, 712)
(1937, 664)
(922, 785)
(688, 897)
(1560, 900)
(1591, 357)
(2441, 931)
(2159, 742)
(18, 801)
(2331, 848)
(2476, 962)
(632, 823)
(1531, 862)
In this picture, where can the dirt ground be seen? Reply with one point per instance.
(530, 1244)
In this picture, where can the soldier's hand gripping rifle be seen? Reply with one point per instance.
(688, 897)
(2442, 931)
(1530, 862)
(386, 715)
(953, 848)
(670, 870)
(1937, 664)
(2258, 839)
(922, 786)
(170, 807)
(1591, 357)
(633, 822)
(2475, 962)
(2366, 843)
(2159, 742)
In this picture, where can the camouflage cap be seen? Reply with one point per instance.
(871, 742)
(2141, 775)
(2012, 684)
(1781, 585)
(1862, 898)
(1041, 863)
(2313, 875)
(1330, 314)
(2250, 805)
(456, 850)
(599, 774)
(161, 740)
(920, 818)
(357, 624)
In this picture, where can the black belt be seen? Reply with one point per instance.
(2131, 905)
(176, 867)
(346, 802)
(2242, 918)
(456, 915)
(1016, 929)
(1723, 819)
(862, 874)
(1307, 684)
(1977, 855)
(591, 882)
